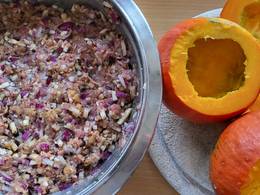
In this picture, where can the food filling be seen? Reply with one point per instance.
(67, 88)
(216, 67)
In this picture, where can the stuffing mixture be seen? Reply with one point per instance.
(66, 92)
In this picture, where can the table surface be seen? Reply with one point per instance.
(161, 15)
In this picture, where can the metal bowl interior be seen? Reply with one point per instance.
(114, 172)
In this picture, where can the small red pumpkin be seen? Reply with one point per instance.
(236, 155)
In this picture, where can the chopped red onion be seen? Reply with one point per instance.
(66, 26)
(59, 50)
(114, 16)
(6, 177)
(129, 127)
(49, 80)
(24, 162)
(120, 94)
(83, 95)
(52, 58)
(45, 147)
(24, 185)
(26, 134)
(105, 155)
(39, 106)
(38, 189)
(66, 135)
(24, 93)
(41, 93)
(2, 67)
(13, 59)
(64, 186)
(2, 162)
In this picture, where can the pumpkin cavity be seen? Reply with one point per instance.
(250, 18)
(216, 67)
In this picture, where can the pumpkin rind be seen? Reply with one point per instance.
(236, 152)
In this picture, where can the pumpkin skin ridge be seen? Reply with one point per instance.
(171, 100)
(236, 152)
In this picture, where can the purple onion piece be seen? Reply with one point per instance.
(45, 21)
(26, 134)
(41, 93)
(59, 50)
(24, 185)
(13, 59)
(107, 87)
(83, 95)
(39, 106)
(24, 93)
(66, 135)
(49, 80)
(66, 26)
(109, 102)
(105, 155)
(52, 58)
(64, 186)
(5, 101)
(129, 127)
(2, 67)
(6, 177)
(120, 94)
(114, 16)
(24, 162)
(38, 189)
(45, 147)
(2, 162)
(94, 170)
(36, 135)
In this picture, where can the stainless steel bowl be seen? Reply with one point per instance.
(117, 169)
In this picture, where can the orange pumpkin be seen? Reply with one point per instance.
(234, 167)
(210, 69)
(255, 106)
(244, 12)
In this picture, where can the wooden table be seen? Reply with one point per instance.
(162, 14)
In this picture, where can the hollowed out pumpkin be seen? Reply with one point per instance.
(244, 12)
(255, 106)
(235, 162)
(210, 69)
